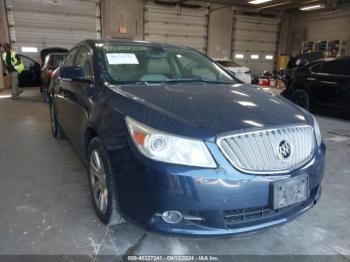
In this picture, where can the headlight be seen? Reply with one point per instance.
(317, 132)
(164, 147)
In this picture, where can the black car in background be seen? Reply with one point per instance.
(32, 73)
(51, 62)
(298, 61)
(321, 84)
(51, 59)
(303, 59)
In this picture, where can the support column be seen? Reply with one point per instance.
(283, 46)
(4, 36)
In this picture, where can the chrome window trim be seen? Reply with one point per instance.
(224, 136)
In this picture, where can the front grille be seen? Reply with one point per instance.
(269, 151)
(238, 216)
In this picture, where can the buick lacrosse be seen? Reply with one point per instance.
(174, 142)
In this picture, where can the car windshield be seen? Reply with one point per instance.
(135, 63)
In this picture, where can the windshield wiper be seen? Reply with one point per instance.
(180, 80)
(130, 83)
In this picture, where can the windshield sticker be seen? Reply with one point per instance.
(122, 59)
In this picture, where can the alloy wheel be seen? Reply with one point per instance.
(98, 182)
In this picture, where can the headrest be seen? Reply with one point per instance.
(158, 66)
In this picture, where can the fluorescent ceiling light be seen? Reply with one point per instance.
(312, 7)
(239, 93)
(254, 56)
(247, 103)
(256, 2)
(269, 57)
(252, 123)
(29, 49)
(239, 56)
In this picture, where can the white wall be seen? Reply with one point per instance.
(4, 35)
(322, 26)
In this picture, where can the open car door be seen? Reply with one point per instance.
(30, 76)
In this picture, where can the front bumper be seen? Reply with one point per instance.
(226, 200)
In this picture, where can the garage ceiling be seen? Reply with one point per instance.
(279, 5)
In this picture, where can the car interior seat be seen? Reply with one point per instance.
(157, 69)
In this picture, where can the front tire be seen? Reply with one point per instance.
(301, 98)
(102, 184)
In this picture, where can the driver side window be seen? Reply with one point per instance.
(316, 68)
(84, 60)
(70, 58)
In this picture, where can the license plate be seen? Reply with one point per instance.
(290, 191)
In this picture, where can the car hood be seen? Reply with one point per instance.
(212, 109)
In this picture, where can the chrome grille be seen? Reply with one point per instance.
(262, 151)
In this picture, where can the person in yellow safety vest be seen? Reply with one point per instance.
(13, 66)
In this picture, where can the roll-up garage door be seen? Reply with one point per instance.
(255, 42)
(177, 25)
(52, 23)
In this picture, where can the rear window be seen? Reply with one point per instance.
(55, 60)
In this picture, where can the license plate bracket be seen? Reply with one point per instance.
(290, 191)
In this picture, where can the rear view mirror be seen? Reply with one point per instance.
(74, 73)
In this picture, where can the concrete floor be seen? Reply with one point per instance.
(45, 206)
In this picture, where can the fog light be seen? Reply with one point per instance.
(172, 217)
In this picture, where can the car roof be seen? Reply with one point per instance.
(92, 43)
(44, 52)
(330, 59)
(59, 54)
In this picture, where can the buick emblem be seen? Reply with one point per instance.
(284, 150)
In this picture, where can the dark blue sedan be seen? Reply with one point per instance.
(173, 142)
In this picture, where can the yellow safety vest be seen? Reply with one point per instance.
(19, 68)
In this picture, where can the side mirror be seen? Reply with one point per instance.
(301, 62)
(74, 73)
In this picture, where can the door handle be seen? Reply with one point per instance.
(311, 79)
